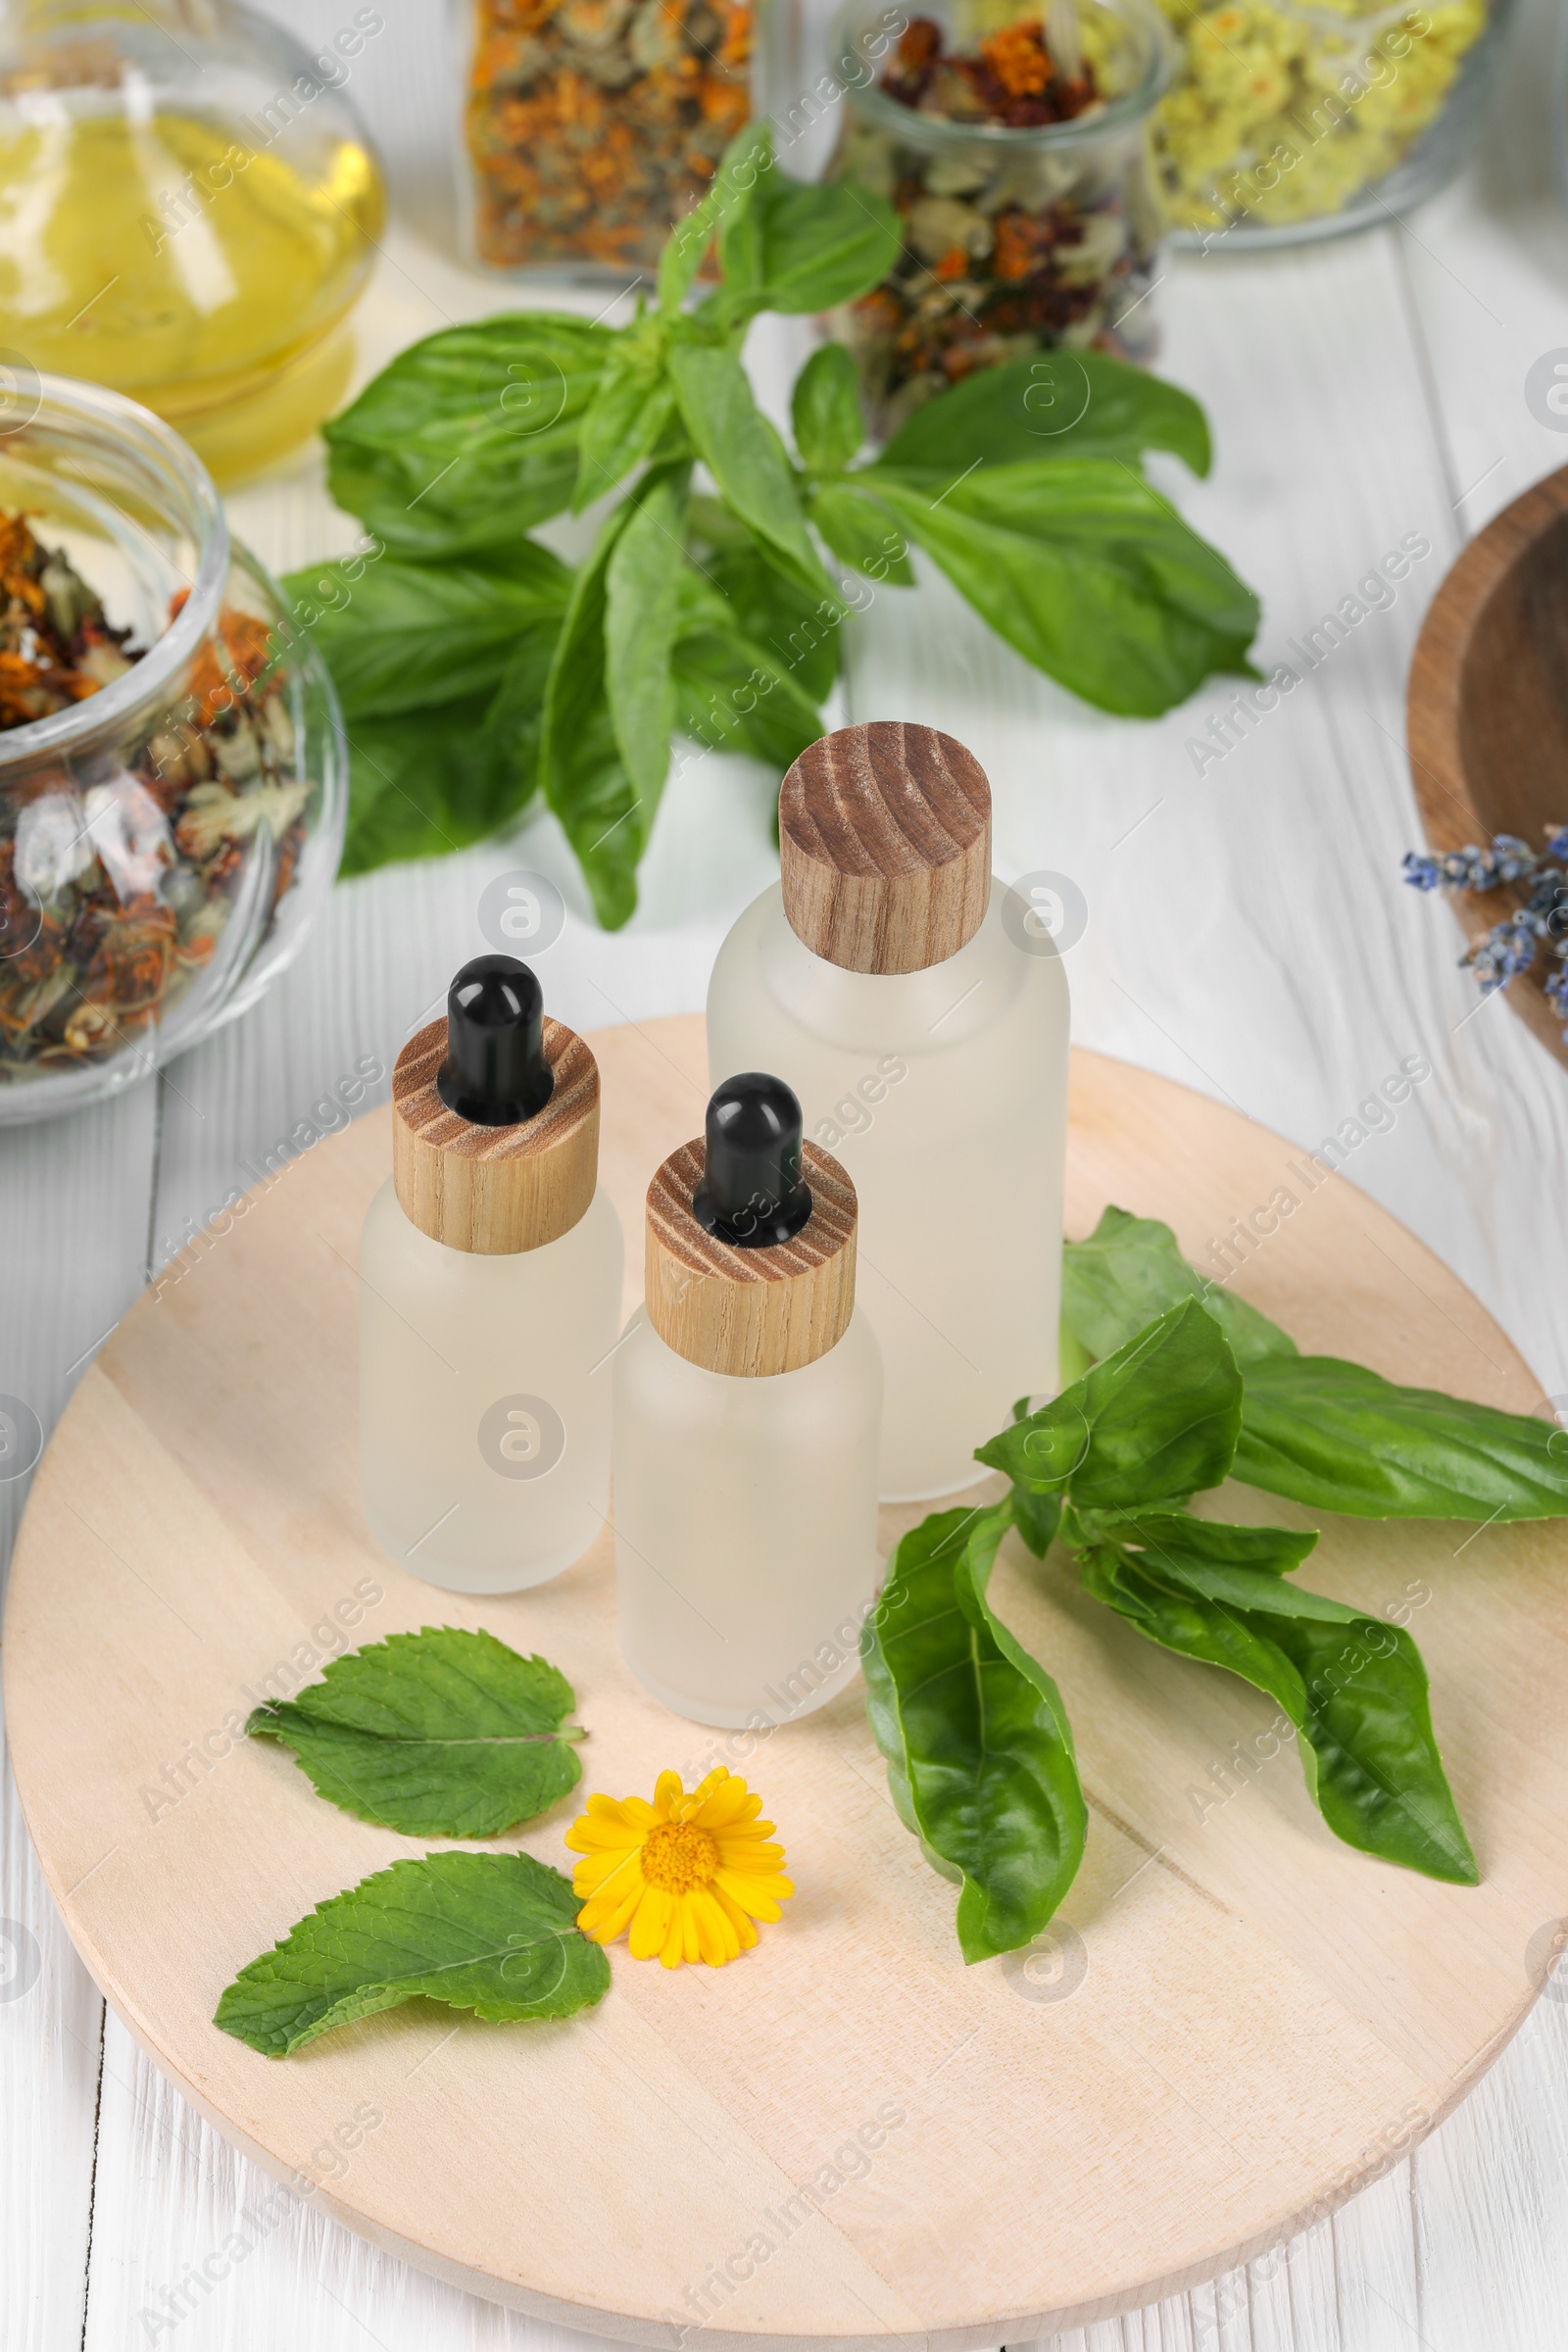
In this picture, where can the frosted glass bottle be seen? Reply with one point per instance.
(923, 1018)
(748, 1400)
(490, 1279)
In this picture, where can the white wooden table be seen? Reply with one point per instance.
(1247, 934)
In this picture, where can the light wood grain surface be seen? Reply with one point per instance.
(1247, 935)
(751, 1313)
(494, 1189)
(1237, 2023)
(884, 834)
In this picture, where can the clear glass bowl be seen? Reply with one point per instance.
(1289, 122)
(590, 126)
(1015, 240)
(165, 840)
(189, 210)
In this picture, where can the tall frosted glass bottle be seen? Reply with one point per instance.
(490, 1272)
(922, 1015)
(748, 1396)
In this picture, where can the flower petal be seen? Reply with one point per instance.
(759, 1896)
(716, 1939)
(735, 1915)
(651, 1923)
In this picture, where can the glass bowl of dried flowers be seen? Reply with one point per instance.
(171, 756)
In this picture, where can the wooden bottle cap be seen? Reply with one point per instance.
(751, 1312)
(495, 1190)
(885, 843)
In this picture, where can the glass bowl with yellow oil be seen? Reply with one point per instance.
(173, 769)
(189, 209)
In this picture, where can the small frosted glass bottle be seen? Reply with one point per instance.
(490, 1272)
(923, 1018)
(748, 1396)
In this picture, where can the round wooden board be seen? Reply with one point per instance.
(846, 2138)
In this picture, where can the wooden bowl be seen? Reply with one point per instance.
(1487, 707)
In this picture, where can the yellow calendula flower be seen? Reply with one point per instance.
(687, 1875)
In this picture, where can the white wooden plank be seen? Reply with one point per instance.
(1488, 265)
(1261, 904)
(193, 2245)
(74, 1211)
(50, 2027)
(1493, 2201)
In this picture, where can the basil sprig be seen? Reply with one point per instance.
(716, 613)
(1181, 1387)
(1325, 1433)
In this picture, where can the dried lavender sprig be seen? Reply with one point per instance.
(1510, 946)
(1510, 860)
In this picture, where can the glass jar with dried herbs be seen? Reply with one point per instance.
(1015, 144)
(590, 126)
(172, 761)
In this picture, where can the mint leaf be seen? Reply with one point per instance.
(1157, 1420)
(404, 636)
(1063, 404)
(980, 1757)
(492, 1933)
(440, 1733)
(1339, 1438)
(1129, 1270)
(1085, 570)
(468, 438)
(1353, 1686)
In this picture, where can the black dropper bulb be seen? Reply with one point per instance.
(495, 1072)
(752, 1194)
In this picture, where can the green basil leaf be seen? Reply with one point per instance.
(826, 411)
(980, 1755)
(1338, 1438)
(496, 1934)
(860, 531)
(1158, 1419)
(440, 1733)
(402, 636)
(630, 412)
(581, 767)
(1129, 1270)
(1062, 404)
(800, 631)
(641, 614)
(1353, 1687)
(426, 782)
(1085, 571)
(808, 248)
(1037, 1517)
(468, 438)
(744, 457)
(729, 198)
(732, 693)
